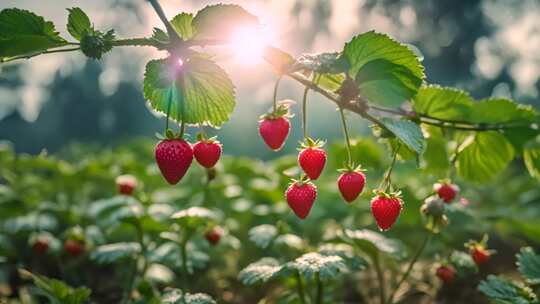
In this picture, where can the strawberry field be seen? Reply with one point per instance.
(425, 194)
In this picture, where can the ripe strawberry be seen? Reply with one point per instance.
(446, 191)
(351, 183)
(214, 235)
(126, 184)
(300, 197)
(274, 131)
(446, 274)
(207, 152)
(73, 247)
(385, 209)
(174, 157)
(40, 245)
(312, 158)
(479, 255)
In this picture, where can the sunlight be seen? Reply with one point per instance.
(248, 43)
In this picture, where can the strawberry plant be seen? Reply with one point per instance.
(140, 223)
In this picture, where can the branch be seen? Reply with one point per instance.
(173, 35)
(28, 56)
(139, 42)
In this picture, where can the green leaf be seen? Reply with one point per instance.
(111, 212)
(221, 20)
(160, 35)
(407, 132)
(531, 157)
(23, 32)
(260, 271)
(483, 156)
(503, 291)
(372, 243)
(309, 264)
(500, 110)
(435, 158)
(182, 24)
(176, 296)
(442, 102)
(111, 253)
(463, 263)
(346, 252)
(387, 83)
(331, 82)
(78, 23)
(57, 292)
(528, 263)
(331, 63)
(194, 217)
(263, 235)
(371, 46)
(202, 93)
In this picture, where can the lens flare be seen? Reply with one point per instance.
(248, 44)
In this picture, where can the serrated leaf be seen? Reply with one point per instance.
(371, 46)
(169, 254)
(221, 20)
(56, 291)
(443, 102)
(528, 263)
(290, 241)
(194, 217)
(346, 252)
(435, 158)
(486, 155)
(500, 110)
(202, 93)
(263, 235)
(160, 35)
(23, 32)
(407, 132)
(111, 253)
(176, 296)
(387, 83)
(310, 264)
(78, 23)
(372, 243)
(332, 63)
(498, 289)
(259, 272)
(531, 157)
(182, 24)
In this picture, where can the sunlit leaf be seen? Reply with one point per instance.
(182, 24)
(78, 23)
(263, 235)
(528, 263)
(332, 63)
(111, 253)
(531, 156)
(56, 291)
(310, 264)
(500, 110)
(260, 271)
(221, 20)
(503, 291)
(372, 243)
(442, 102)
(176, 296)
(407, 132)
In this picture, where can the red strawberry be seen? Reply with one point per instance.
(479, 255)
(385, 209)
(174, 157)
(214, 235)
(300, 197)
(446, 191)
(207, 152)
(274, 131)
(312, 158)
(73, 247)
(350, 184)
(40, 245)
(446, 274)
(126, 184)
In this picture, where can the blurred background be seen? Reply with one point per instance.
(488, 47)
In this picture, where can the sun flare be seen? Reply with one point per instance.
(248, 44)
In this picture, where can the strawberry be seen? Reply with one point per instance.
(312, 158)
(385, 209)
(300, 197)
(351, 183)
(174, 157)
(126, 184)
(214, 235)
(446, 274)
(478, 251)
(274, 127)
(73, 247)
(446, 191)
(40, 245)
(207, 152)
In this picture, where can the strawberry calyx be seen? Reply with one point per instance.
(480, 245)
(201, 136)
(310, 143)
(350, 168)
(282, 110)
(170, 135)
(301, 181)
(383, 193)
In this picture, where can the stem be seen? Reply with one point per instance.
(276, 87)
(300, 288)
(183, 251)
(170, 30)
(319, 298)
(182, 129)
(52, 51)
(387, 176)
(168, 112)
(410, 267)
(137, 42)
(304, 112)
(380, 278)
(347, 139)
